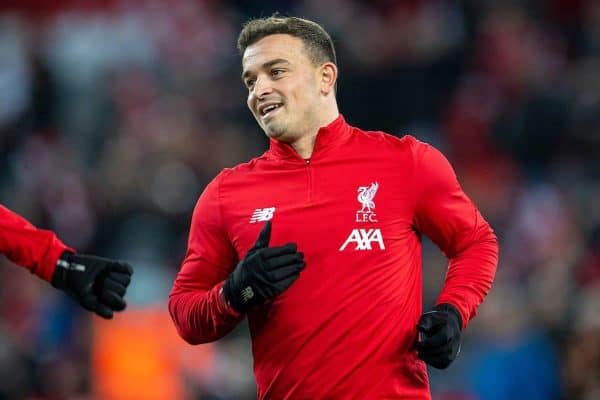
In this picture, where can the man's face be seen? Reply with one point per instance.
(283, 86)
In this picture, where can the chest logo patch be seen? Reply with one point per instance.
(262, 214)
(364, 239)
(366, 196)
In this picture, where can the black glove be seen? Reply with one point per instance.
(97, 283)
(439, 335)
(263, 273)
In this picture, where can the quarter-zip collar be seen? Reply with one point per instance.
(334, 134)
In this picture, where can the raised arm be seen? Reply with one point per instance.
(196, 302)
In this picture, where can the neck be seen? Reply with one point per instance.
(305, 144)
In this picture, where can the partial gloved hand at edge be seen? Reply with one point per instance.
(98, 284)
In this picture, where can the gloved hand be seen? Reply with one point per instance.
(439, 336)
(98, 284)
(263, 273)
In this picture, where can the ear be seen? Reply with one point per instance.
(328, 77)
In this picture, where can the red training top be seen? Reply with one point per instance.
(25, 245)
(346, 328)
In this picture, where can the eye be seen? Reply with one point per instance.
(250, 83)
(277, 72)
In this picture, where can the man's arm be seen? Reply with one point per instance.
(445, 214)
(98, 284)
(196, 303)
(213, 290)
(35, 249)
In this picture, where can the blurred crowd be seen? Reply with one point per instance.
(114, 115)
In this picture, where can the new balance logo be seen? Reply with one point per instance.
(262, 214)
(247, 294)
(364, 238)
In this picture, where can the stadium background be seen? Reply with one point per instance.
(114, 115)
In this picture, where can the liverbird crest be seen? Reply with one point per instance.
(366, 194)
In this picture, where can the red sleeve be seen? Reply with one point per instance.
(196, 304)
(25, 245)
(446, 215)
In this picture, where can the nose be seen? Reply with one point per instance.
(262, 87)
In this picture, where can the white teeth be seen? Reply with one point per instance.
(269, 108)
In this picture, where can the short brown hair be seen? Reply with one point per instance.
(316, 40)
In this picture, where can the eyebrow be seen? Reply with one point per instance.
(266, 65)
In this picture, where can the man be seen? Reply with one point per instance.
(342, 318)
(98, 284)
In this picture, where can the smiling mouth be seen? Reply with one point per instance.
(266, 111)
